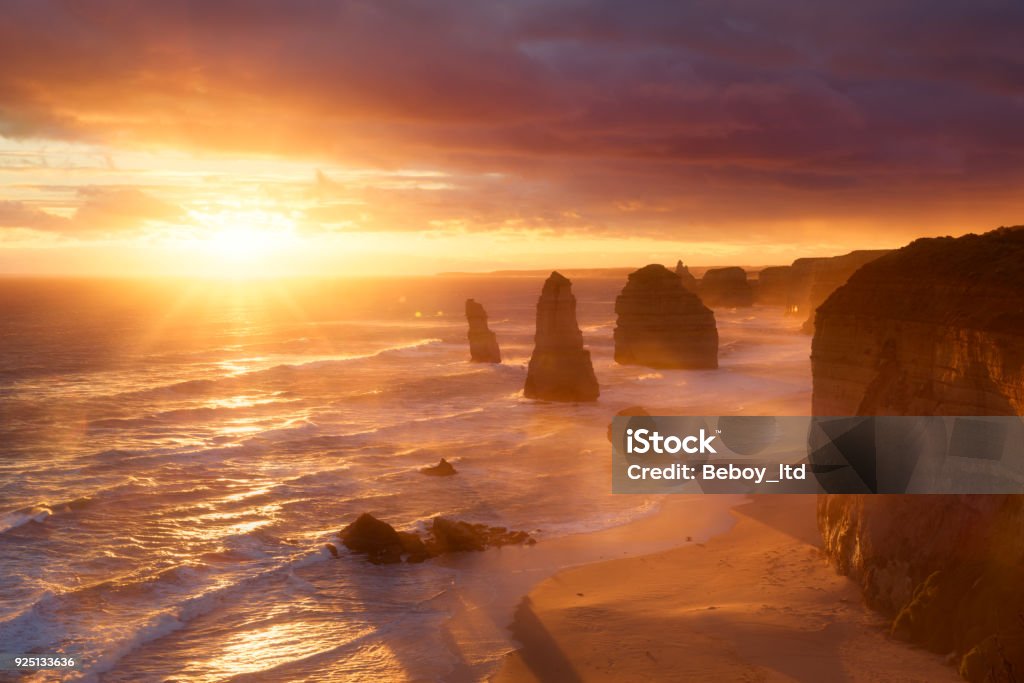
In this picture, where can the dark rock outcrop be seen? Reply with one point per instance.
(560, 368)
(686, 277)
(483, 344)
(726, 288)
(441, 469)
(454, 536)
(935, 328)
(382, 544)
(663, 325)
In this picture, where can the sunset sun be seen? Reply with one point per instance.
(243, 240)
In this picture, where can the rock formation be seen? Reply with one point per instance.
(382, 544)
(483, 345)
(560, 368)
(726, 288)
(935, 328)
(798, 291)
(825, 276)
(686, 277)
(441, 469)
(772, 287)
(662, 325)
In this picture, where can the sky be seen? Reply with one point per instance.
(387, 136)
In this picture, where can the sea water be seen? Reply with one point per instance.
(175, 455)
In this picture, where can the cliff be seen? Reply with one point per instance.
(726, 288)
(935, 328)
(560, 368)
(483, 345)
(826, 276)
(686, 277)
(663, 325)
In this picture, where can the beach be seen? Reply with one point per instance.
(757, 603)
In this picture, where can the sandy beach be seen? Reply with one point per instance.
(757, 603)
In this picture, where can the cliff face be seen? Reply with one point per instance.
(662, 325)
(726, 288)
(825, 276)
(686, 277)
(935, 328)
(560, 368)
(483, 345)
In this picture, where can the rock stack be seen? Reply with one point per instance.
(726, 288)
(560, 368)
(686, 277)
(662, 325)
(773, 285)
(935, 328)
(483, 345)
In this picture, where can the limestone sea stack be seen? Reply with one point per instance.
(560, 368)
(773, 285)
(483, 344)
(686, 277)
(663, 325)
(726, 288)
(935, 328)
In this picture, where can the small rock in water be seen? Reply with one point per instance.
(441, 469)
(382, 544)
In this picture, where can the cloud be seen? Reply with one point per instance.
(14, 214)
(117, 209)
(659, 117)
(97, 211)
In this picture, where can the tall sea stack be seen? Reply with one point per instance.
(773, 285)
(483, 345)
(935, 328)
(686, 277)
(560, 368)
(663, 325)
(726, 288)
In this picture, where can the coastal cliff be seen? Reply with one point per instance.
(726, 288)
(935, 328)
(560, 368)
(824, 276)
(483, 344)
(661, 324)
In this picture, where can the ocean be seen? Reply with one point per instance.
(174, 455)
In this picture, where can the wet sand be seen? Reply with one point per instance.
(757, 603)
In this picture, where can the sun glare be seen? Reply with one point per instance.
(243, 241)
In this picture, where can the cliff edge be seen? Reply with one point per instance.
(934, 328)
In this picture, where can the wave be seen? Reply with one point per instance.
(13, 520)
(202, 589)
(41, 512)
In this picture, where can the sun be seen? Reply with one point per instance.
(241, 240)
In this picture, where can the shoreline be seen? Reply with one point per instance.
(756, 602)
(493, 583)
